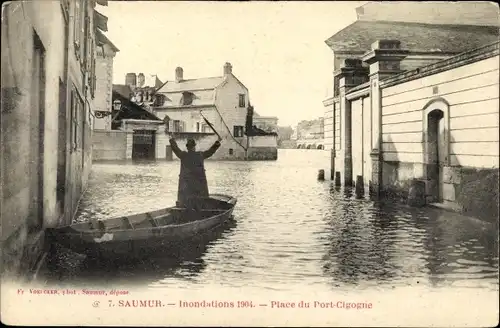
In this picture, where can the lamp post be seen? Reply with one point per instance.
(117, 104)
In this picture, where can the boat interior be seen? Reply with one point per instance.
(159, 218)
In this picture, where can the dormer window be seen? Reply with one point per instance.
(187, 98)
(159, 100)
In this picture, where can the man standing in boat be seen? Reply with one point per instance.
(192, 179)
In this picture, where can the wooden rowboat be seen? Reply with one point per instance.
(139, 235)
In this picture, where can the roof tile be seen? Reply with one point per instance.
(192, 84)
(123, 89)
(359, 36)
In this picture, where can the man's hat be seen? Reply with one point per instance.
(190, 143)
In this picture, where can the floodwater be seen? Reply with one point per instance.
(290, 229)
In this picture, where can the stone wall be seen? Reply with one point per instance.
(109, 145)
(262, 148)
(456, 154)
(262, 153)
(474, 190)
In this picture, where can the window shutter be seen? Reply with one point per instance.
(94, 77)
(76, 28)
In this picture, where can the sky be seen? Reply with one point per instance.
(277, 49)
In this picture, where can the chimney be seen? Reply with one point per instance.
(131, 80)
(179, 74)
(141, 79)
(228, 69)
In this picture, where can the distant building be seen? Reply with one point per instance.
(145, 112)
(310, 134)
(224, 102)
(266, 123)
(285, 134)
(143, 87)
(416, 102)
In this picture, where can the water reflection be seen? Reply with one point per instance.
(294, 230)
(359, 241)
(459, 252)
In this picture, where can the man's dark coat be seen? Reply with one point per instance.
(192, 178)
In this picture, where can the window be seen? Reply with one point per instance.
(77, 116)
(74, 121)
(206, 129)
(230, 151)
(159, 100)
(93, 85)
(78, 28)
(238, 131)
(241, 100)
(187, 98)
(87, 52)
(178, 126)
(197, 126)
(83, 135)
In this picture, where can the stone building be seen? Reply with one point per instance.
(421, 107)
(48, 87)
(310, 134)
(133, 130)
(145, 117)
(223, 101)
(144, 88)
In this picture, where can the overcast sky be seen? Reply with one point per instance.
(277, 49)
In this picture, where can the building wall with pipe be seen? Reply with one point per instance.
(46, 124)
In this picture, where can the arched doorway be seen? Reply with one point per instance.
(320, 146)
(436, 150)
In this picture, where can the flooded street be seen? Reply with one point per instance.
(292, 230)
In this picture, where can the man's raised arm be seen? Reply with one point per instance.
(208, 153)
(177, 151)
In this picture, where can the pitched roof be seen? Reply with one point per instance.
(132, 110)
(359, 36)
(102, 39)
(204, 83)
(431, 12)
(100, 21)
(200, 98)
(123, 90)
(151, 81)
